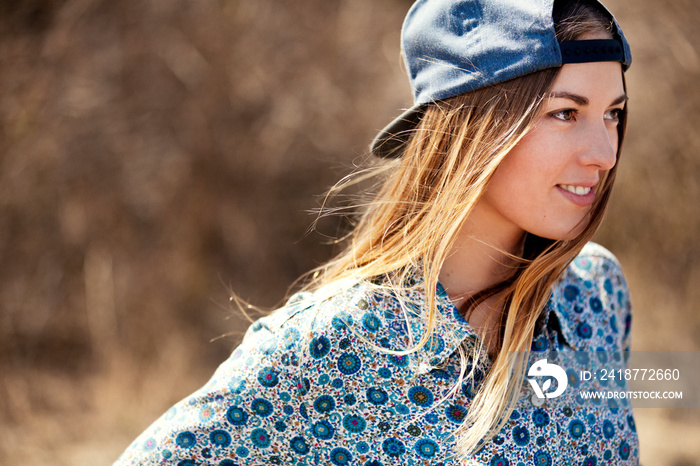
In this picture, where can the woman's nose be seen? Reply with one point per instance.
(601, 142)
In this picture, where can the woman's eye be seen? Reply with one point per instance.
(565, 115)
(613, 114)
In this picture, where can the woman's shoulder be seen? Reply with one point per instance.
(260, 399)
(325, 310)
(365, 324)
(594, 268)
(592, 300)
(362, 307)
(595, 259)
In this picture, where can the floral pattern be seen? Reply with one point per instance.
(308, 385)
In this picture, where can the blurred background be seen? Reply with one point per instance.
(155, 155)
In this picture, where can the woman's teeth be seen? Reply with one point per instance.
(580, 190)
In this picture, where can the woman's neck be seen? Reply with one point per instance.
(479, 258)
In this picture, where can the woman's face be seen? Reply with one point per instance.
(548, 182)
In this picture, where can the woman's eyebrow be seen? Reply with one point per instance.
(622, 99)
(581, 100)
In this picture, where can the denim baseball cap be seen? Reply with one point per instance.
(451, 47)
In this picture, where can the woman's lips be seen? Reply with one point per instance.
(579, 195)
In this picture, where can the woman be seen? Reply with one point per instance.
(409, 347)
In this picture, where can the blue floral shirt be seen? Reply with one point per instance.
(307, 387)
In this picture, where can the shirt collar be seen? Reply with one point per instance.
(452, 329)
(562, 325)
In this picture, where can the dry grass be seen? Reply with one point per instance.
(154, 154)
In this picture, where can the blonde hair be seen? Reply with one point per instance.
(427, 195)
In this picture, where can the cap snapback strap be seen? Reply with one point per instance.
(585, 51)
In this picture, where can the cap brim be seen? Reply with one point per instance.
(390, 141)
